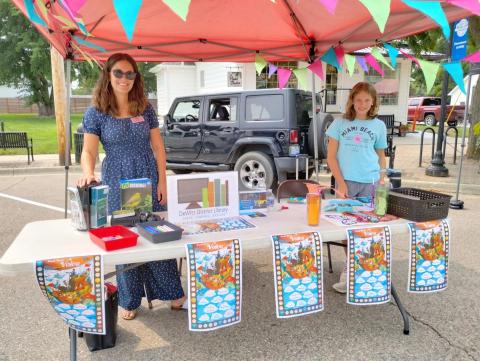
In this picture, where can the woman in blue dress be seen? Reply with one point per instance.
(127, 126)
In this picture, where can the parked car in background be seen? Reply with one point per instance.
(428, 110)
(257, 133)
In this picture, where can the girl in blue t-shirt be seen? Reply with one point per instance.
(356, 150)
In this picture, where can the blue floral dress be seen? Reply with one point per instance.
(129, 155)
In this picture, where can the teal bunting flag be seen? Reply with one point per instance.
(331, 58)
(433, 10)
(32, 13)
(392, 54)
(127, 12)
(456, 72)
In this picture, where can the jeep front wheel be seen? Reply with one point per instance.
(255, 171)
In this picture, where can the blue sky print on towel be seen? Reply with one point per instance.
(74, 288)
(214, 284)
(369, 265)
(298, 274)
(429, 249)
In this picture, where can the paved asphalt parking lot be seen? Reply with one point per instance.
(444, 326)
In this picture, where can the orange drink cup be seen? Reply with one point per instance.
(313, 208)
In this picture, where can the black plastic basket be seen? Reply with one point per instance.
(417, 204)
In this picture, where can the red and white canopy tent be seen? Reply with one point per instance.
(219, 30)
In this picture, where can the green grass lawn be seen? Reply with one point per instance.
(42, 130)
(451, 133)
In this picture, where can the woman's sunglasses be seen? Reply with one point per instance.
(130, 75)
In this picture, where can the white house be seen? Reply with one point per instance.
(181, 79)
(456, 95)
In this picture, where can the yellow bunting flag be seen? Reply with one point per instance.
(430, 70)
(378, 55)
(301, 75)
(380, 11)
(260, 63)
(350, 61)
(179, 7)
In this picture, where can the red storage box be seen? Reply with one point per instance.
(112, 238)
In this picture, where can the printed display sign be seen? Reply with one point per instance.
(214, 284)
(369, 265)
(298, 276)
(205, 196)
(74, 288)
(429, 250)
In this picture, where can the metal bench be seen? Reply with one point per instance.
(392, 125)
(13, 140)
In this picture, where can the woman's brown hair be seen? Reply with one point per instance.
(103, 96)
(362, 87)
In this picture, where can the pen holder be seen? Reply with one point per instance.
(159, 231)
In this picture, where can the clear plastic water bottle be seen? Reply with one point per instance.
(270, 199)
(381, 199)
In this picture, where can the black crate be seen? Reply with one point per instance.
(148, 231)
(417, 204)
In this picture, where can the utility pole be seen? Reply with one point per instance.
(59, 100)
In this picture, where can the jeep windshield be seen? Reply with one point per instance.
(304, 108)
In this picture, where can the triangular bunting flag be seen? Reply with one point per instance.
(127, 12)
(271, 69)
(378, 55)
(330, 5)
(392, 54)
(456, 72)
(44, 11)
(473, 58)
(301, 75)
(411, 57)
(430, 71)
(331, 58)
(85, 56)
(340, 53)
(179, 7)
(374, 64)
(470, 5)
(32, 13)
(362, 62)
(73, 6)
(433, 10)
(88, 44)
(260, 63)
(283, 76)
(317, 68)
(380, 11)
(350, 61)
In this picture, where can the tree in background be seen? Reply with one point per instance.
(25, 59)
(25, 62)
(433, 40)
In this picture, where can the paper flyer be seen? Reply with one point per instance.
(369, 265)
(429, 251)
(74, 288)
(298, 276)
(214, 284)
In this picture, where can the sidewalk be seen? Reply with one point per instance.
(406, 159)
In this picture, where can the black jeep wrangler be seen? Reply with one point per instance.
(257, 133)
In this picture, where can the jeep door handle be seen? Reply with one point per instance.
(206, 132)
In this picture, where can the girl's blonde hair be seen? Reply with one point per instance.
(103, 96)
(362, 87)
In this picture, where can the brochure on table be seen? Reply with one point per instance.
(198, 197)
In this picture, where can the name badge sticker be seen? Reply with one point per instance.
(138, 119)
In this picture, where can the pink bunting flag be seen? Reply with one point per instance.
(317, 68)
(473, 58)
(271, 69)
(363, 64)
(470, 5)
(283, 76)
(73, 6)
(374, 64)
(330, 5)
(411, 57)
(340, 53)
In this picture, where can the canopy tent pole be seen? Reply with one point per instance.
(314, 112)
(68, 129)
